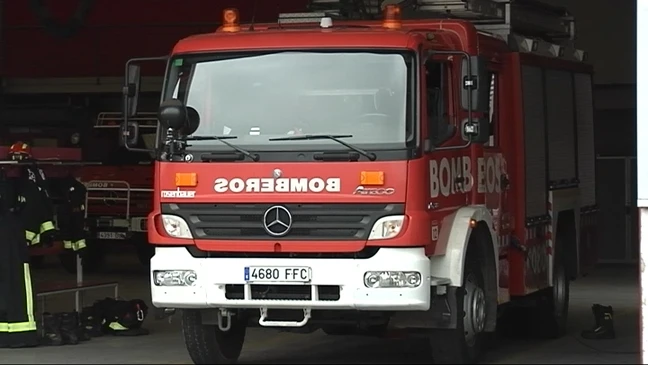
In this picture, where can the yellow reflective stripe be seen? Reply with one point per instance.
(115, 326)
(79, 245)
(30, 324)
(47, 226)
(29, 235)
(35, 240)
(30, 295)
(17, 327)
(67, 244)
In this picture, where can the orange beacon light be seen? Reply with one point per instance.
(231, 20)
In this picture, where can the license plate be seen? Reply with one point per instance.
(277, 274)
(111, 235)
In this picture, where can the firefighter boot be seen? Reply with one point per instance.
(51, 330)
(604, 324)
(69, 328)
(82, 334)
(91, 322)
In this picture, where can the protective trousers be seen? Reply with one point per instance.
(72, 217)
(17, 323)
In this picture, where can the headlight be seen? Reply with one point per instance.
(175, 226)
(174, 277)
(392, 279)
(387, 227)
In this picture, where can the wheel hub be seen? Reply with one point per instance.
(475, 311)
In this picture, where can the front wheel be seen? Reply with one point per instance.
(207, 344)
(463, 344)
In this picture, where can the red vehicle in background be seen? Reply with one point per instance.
(119, 195)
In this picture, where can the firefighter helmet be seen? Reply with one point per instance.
(20, 151)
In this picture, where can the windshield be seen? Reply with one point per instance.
(257, 97)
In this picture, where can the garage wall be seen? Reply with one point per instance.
(607, 30)
(113, 32)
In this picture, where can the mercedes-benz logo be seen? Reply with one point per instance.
(277, 221)
(111, 199)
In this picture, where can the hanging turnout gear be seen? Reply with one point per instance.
(17, 323)
(122, 317)
(71, 215)
(35, 207)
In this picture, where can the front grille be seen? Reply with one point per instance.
(283, 292)
(310, 221)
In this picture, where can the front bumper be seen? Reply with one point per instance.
(215, 276)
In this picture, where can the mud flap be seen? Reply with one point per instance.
(441, 315)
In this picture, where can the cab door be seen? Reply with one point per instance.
(447, 168)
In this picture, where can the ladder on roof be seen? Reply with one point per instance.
(499, 17)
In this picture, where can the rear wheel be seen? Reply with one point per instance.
(207, 344)
(463, 344)
(552, 306)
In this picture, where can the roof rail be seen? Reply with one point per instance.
(499, 17)
(114, 119)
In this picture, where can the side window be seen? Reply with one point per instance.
(438, 102)
(493, 113)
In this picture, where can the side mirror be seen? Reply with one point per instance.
(193, 122)
(131, 89)
(475, 82)
(173, 114)
(129, 134)
(477, 131)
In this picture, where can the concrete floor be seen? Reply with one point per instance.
(610, 286)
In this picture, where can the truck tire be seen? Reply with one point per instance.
(207, 344)
(463, 344)
(552, 306)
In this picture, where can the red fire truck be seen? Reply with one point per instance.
(426, 170)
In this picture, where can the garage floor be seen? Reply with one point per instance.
(610, 286)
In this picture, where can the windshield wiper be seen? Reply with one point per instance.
(333, 137)
(253, 156)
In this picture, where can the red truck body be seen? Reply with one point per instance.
(482, 199)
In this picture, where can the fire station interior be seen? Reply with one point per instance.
(63, 65)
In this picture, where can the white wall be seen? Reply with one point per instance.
(606, 29)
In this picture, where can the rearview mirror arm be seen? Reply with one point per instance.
(125, 94)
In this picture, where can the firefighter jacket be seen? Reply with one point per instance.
(35, 207)
(71, 215)
(17, 323)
